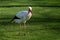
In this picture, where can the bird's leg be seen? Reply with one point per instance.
(25, 29)
(19, 30)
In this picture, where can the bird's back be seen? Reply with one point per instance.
(21, 14)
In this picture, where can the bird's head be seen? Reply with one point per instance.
(30, 9)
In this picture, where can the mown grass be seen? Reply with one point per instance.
(44, 24)
(30, 2)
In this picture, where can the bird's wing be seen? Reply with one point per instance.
(21, 14)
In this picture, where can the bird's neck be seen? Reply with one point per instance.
(29, 11)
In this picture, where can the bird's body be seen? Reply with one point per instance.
(22, 17)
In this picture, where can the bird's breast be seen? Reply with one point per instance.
(29, 16)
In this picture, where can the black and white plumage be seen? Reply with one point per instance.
(23, 16)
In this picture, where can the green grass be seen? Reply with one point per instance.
(44, 24)
(42, 31)
(30, 2)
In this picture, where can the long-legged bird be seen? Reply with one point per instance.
(23, 16)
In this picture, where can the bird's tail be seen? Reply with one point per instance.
(11, 20)
(14, 18)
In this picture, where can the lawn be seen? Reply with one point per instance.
(44, 24)
(30, 2)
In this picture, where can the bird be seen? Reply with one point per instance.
(22, 17)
